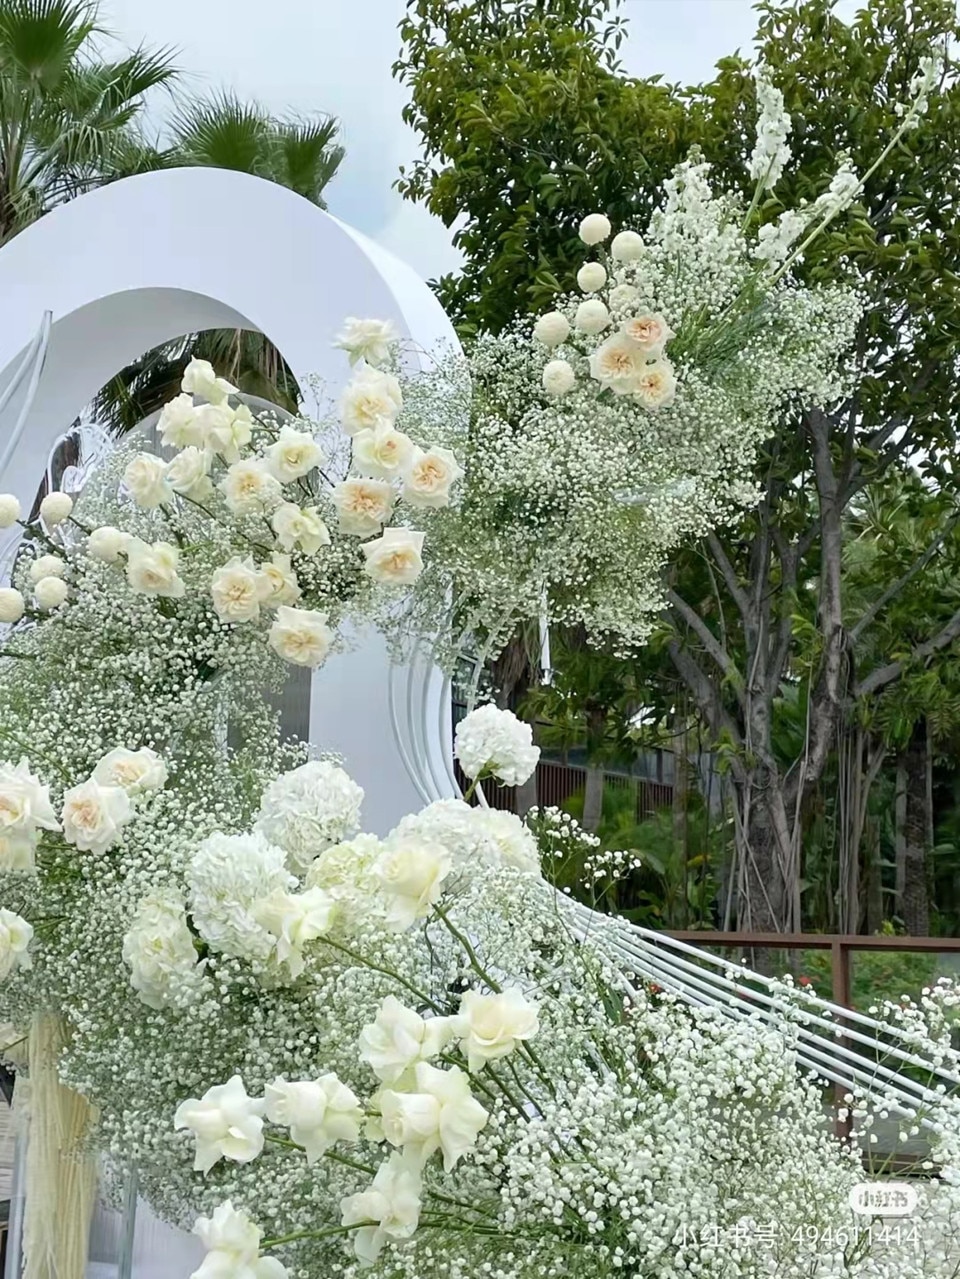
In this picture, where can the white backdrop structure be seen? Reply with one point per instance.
(162, 254)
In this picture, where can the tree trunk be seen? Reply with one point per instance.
(593, 799)
(765, 905)
(913, 826)
(874, 877)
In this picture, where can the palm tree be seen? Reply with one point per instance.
(68, 115)
(226, 133)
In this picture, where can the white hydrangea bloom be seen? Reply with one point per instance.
(309, 809)
(228, 877)
(490, 741)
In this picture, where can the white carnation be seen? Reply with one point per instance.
(158, 948)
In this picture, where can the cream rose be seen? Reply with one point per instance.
(200, 379)
(25, 804)
(145, 479)
(189, 473)
(136, 771)
(179, 423)
(395, 557)
(293, 454)
(226, 1123)
(237, 590)
(295, 919)
(370, 340)
(224, 430)
(412, 875)
(618, 363)
(657, 385)
(490, 1026)
(152, 569)
(382, 452)
(552, 329)
(372, 399)
(430, 477)
(15, 937)
(94, 815)
(363, 506)
(650, 331)
(249, 487)
(400, 1037)
(280, 585)
(299, 527)
(440, 1114)
(301, 637)
(318, 1112)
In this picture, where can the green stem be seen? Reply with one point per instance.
(387, 972)
(471, 953)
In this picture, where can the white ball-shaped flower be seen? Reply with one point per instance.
(106, 544)
(55, 508)
(595, 228)
(623, 297)
(591, 277)
(11, 605)
(46, 566)
(309, 809)
(493, 742)
(627, 246)
(50, 593)
(558, 378)
(9, 510)
(592, 316)
(552, 329)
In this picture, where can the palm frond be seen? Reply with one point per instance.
(40, 39)
(306, 155)
(222, 132)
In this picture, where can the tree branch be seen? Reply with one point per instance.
(709, 641)
(886, 675)
(707, 696)
(729, 574)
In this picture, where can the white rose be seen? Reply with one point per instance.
(370, 340)
(592, 316)
(249, 488)
(318, 1112)
(159, 951)
(296, 527)
(494, 741)
(370, 400)
(152, 569)
(46, 566)
(595, 228)
(55, 508)
(293, 919)
(558, 378)
(412, 875)
(226, 1123)
(200, 379)
(490, 1026)
(617, 363)
(9, 510)
(136, 771)
(106, 544)
(430, 477)
(233, 1248)
(627, 246)
(623, 297)
(392, 1204)
(650, 331)
(94, 815)
(293, 454)
(383, 452)
(279, 581)
(363, 506)
(179, 423)
(224, 430)
(237, 590)
(189, 473)
(49, 593)
(400, 1037)
(657, 385)
(301, 637)
(395, 558)
(25, 803)
(12, 605)
(145, 479)
(552, 329)
(591, 277)
(440, 1114)
(15, 937)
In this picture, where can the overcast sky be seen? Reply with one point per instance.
(335, 56)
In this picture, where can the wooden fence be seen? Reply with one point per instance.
(558, 782)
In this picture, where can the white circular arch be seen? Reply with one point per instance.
(155, 256)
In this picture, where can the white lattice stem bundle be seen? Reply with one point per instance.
(61, 1175)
